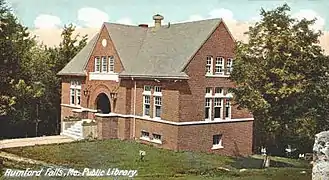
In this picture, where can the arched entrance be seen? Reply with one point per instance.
(103, 103)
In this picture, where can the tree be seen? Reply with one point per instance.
(275, 73)
(59, 57)
(14, 42)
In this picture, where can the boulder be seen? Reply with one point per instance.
(320, 170)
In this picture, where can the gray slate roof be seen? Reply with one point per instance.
(146, 52)
(77, 65)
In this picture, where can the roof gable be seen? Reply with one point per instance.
(77, 65)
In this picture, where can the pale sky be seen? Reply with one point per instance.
(45, 18)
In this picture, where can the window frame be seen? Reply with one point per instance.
(228, 109)
(208, 105)
(219, 66)
(74, 88)
(209, 65)
(229, 64)
(218, 103)
(145, 97)
(111, 64)
(145, 135)
(157, 138)
(97, 64)
(104, 64)
(217, 141)
(157, 103)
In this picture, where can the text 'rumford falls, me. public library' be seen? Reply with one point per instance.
(63, 172)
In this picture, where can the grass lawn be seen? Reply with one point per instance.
(161, 163)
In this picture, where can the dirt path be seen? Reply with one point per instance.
(22, 142)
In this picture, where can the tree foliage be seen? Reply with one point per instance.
(277, 73)
(30, 89)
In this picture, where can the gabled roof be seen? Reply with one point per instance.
(146, 52)
(76, 66)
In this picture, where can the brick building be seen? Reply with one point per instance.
(165, 85)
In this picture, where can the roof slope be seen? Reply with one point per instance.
(161, 53)
(77, 65)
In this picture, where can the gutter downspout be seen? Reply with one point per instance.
(134, 121)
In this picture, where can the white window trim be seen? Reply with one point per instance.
(157, 141)
(220, 145)
(147, 138)
(74, 86)
(221, 110)
(209, 95)
(219, 65)
(157, 93)
(229, 72)
(146, 104)
(72, 103)
(76, 96)
(211, 65)
(154, 107)
(210, 109)
(230, 110)
(97, 59)
(104, 63)
(111, 64)
(217, 147)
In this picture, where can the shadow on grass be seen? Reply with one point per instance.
(255, 163)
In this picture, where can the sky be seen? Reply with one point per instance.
(46, 16)
(91, 13)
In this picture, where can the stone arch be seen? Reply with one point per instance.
(102, 103)
(96, 92)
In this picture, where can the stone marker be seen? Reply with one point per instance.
(320, 169)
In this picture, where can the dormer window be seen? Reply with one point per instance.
(209, 69)
(97, 64)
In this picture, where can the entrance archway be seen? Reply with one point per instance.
(103, 103)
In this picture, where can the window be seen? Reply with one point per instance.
(208, 109)
(145, 135)
(146, 105)
(147, 88)
(219, 65)
(157, 89)
(228, 109)
(157, 106)
(72, 94)
(208, 91)
(209, 70)
(78, 96)
(97, 64)
(75, 93)
(111, 62)
(104, 64)
(218, 108)
(218, 90)
(157, 136)
(229, 63)
(217, 141)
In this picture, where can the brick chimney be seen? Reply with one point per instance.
(143, 25)
(157, 20)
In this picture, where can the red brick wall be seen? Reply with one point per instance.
(192, 100)
(236, 139)
(168, 132)
(170, 98)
